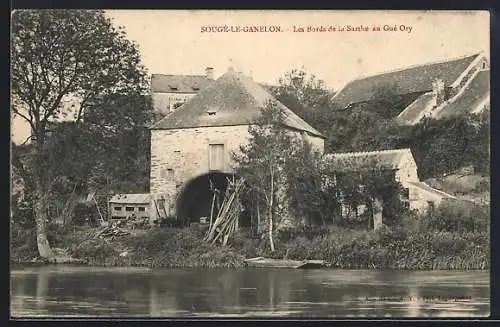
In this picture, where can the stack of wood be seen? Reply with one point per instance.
(111, 231)
(226, 221)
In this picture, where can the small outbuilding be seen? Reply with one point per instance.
(123, 206)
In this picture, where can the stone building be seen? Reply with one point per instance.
(439, 89)
(169, 92)
(416, 196)
(191, 147)
(122, 206)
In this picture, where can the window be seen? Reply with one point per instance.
(406, 193)
(170, 174)
(142, 208)
(167, 173)
(129, 208)
(431, 206)
(216, 156)
(405, 198)
(118, 208)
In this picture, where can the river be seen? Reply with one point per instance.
(69, 291)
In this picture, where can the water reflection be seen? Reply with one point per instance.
(86, 291)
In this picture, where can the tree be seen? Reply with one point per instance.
(310, 188)
(261, 161)
(65, 62)
(370, 183)
(303, 93)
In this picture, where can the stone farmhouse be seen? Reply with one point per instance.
(437, 90)
(191, 147)
(171, 91)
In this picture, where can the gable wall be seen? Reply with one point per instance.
(185, 151)
(407, 171)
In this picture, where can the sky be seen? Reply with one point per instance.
(173, 42)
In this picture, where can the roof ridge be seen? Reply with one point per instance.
(433, 189)
(243, 79)
(369, 152)
(188, 75)
(400, 69)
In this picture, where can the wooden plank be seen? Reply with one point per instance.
(281, 263)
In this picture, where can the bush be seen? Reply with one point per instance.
(455, 216)
(22, 243)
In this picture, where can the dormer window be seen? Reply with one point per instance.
(211, 112)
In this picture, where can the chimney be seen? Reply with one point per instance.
(209, 72)
(438, 91)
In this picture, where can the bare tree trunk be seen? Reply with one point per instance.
(271, 211)
(41, 201)
(258, 216)
(377, 212)
(271, 242)
(42, 242)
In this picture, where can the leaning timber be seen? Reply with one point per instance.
(226, 221)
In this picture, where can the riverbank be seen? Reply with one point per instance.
(342, 248)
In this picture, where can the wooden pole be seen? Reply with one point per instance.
(98, 211)
(212, 211)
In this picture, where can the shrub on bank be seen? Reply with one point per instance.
(159, 248)
(417, 243)
(457, 216)
(23, 244)
(396, 247)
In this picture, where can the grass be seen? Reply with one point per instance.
(420, 245)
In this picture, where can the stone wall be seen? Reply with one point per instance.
(407, 172)
(181, 154)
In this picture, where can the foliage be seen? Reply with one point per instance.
(261, 162)
(457, 216)
(310, 192)
(301, 92)
(70, 62)
(394, 248)
(439, 146)
(59, 54)
(450, 142)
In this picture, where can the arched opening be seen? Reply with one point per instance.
(196, 198)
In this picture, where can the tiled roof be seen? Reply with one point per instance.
(473, 94)
(414, 110)
(429, 189)
(138, 198)
(235, 99)
(161, 83)
(404, 81)
(353, 161)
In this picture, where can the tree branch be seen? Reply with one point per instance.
(30, 121)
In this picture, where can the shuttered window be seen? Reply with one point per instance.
(216, 156)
